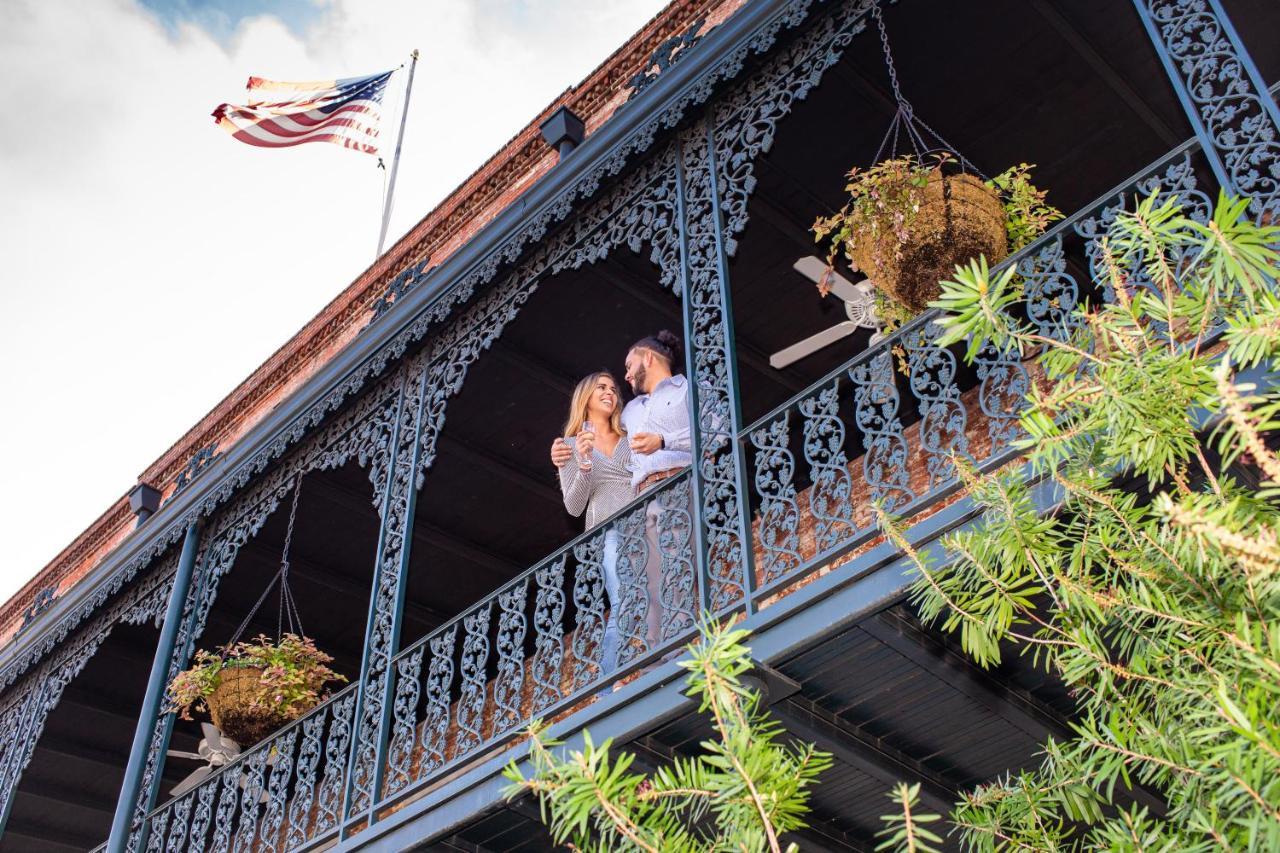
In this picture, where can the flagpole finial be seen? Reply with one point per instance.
(414, 54)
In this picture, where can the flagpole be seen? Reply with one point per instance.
(395, 162)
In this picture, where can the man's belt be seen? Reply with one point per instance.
(657, 477)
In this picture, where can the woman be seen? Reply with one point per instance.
(597, 480)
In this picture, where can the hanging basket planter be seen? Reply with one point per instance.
(232, 706)
(912, 217)
(254, 687)
(958, 218)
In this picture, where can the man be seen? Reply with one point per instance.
(657, 425)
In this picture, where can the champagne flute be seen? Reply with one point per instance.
(589, 430)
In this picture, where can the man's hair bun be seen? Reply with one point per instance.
(665, 344)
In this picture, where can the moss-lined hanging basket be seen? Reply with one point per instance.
(254, 687)
(959, 218)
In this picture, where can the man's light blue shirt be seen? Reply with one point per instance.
(665, 411)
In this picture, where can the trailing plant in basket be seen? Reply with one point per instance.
(909, 220)
(293, 676)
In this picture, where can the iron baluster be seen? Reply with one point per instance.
(678, 585)
(337, 748)
(475, 657)
(251, 799)
(1002, 393)
(228, 802)
(281, 761)
(304, 786)
(588, 597)
(831, 496)
(632, 612)
(777, 527)
(435, 729)
(177, 835)
(202, 817)
(159, 825)
(548, 626)
(508, 686)
(405, 713)
(884, 443)
(942, 414)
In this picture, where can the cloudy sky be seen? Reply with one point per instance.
(148, 262)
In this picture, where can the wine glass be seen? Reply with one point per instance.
(589, 430)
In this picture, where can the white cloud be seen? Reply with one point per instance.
(148, 262)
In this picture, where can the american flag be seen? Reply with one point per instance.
(279, 115)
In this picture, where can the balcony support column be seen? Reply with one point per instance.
(401, 474)
(1224, 95)
(721, 510)
(156, 684)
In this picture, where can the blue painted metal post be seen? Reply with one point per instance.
(690, 372)
(731, 367)
(397, 619)
(150, 713)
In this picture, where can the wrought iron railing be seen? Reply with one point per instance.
(535, 647)
(882, 428)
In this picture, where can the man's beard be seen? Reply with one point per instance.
(637, 382)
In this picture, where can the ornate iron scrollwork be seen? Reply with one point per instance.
(1224, 95)
(666, 55)
(778, 524)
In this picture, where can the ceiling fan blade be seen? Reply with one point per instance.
(814, 268)
(786, 357)
(211, 734)
(197, 776)
(177, 753)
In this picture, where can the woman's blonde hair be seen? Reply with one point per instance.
(578, 407)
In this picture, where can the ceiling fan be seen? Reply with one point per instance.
(214, 749)
(859, 307)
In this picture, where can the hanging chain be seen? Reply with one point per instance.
(905, 118)
(288, 608)
(903, 103)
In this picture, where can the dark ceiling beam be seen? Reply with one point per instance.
(864, 753)
(337, 582)
(786, 223)
(911, 640)
(48, 838)
(512, 472)
(1081, 45)
(78, 753)
(916, 645)
(531, 365)
(429, 534)
(83, 698)
(750, 354)
(61, 797)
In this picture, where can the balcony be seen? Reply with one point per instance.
(865, 432)
(498, 600)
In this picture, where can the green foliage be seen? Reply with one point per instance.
(906, 829)
(885, 200)
(1026, 214)
(745, 789)
(294, 673)
(1153, 592)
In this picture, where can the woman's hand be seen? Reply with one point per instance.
(586, 441)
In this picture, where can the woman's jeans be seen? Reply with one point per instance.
(612, 588)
